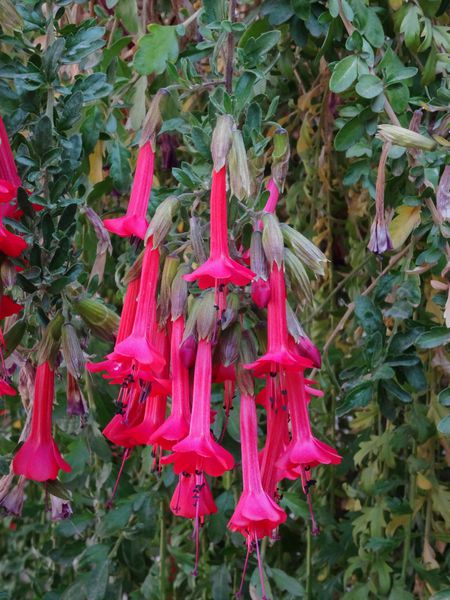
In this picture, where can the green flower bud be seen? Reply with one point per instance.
(169, 272)
(230, 314)
(195, 233)
(71, 350)
(179, 293)
(245, 382)
(135, 270)
(280, 157)
(14, 336)
(272, 240)
(305, 250)
(238, 167)
(258, 263)
(49, 345)
(405, 137)
(207, 316)
(248, 348)
(229, 345)
(101, 320)
(8, 273)
(221, 141)
(153, 117)
(298, 277)
(161, 223)
(293, 324)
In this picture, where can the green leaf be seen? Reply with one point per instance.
(357, 397)
(398, 96)
(42, 138)
(435, 337)
(120, 167)
(98, 581)
(286, 583)
(156, 49)
(444, 397)
(369, 86)
(368, 315)
(350, 134)
(344, 74)
(410, 27)
(444, 425)
(395, 390)
(115, 520)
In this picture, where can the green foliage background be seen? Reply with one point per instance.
(74, 90)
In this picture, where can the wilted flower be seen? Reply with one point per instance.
(405, 137)
(380, 239)
(12, 501)
(60, 509)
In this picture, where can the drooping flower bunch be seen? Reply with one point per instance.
(187, 324)
(176, 342)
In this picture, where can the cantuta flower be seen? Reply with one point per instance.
(191, 499)
(39, 458)
(8, 169)
(220, 268)
(135, 223)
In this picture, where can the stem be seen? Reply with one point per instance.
(408, 527)
(230, 49)
(162, 555)
(308, 564)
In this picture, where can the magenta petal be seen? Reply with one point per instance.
(139, 349)
(220, 270)
(173, 430)
(127, 226)
(201, 453)
(258, 513)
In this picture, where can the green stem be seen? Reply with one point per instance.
(162, 555)
(308, 563)
(408, 528)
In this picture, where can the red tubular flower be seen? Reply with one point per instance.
(190, 498)
(278, 356)
(11, 244)
(39, 458)
(7, 191)
(256, 514)
(8, 307)
(137, 345)
(304, 450)
(220, 268)
(198, 451)
(6, 389)
(135, 223)
(176, 427)
(8, 169)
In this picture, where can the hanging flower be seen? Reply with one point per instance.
(135, 223)
(39, 458)
(380, 239)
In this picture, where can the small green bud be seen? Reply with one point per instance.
(293, 324)
(405, 137)
(161, 223)
(49, 345)
(230, 314)
(272, 240)
(169, 272)
(248, 349)
(207, 316)
(8, 273)
(280, 157)
(72, 351)
(238, 167)
(221, 141)
(298, 277)
(101, 320)
(135, 270)
(229, 345)
(196, 236)
(245, 382)
(305, 250)
(258, 262)
(179, 293)
(153, 117)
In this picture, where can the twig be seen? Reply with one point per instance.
(230, 49)
(351, 307)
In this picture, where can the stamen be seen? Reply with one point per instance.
(260, 569)
(126, 454)
(244, 570)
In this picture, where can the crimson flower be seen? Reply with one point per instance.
(39, 458)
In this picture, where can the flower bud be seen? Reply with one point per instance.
(76, 404)
(258, 263)
(280, 157)
(299, 279)
(161, 222)
(260, 292)
(221, 141)
(49, 345)
(60, 509)
(308, 350)
(101, 320)
(169, 272)
(248, 349)
(72, 352)
(153, 117)
(134, 272)
(13, 337)
(188, 351)
(229, 345)
(245, 382)
(8, 273)
(231, 312)
(305, 250)
(272, 240)
(207, 316)
(12, 502)
(293, 324)
(238, 167)
(405, 137)
(195, 233)
(179, 293)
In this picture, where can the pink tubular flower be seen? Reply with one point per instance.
(39, 458)
(256, 514)
(191, 498)
(278, 356)
(220, 268)
(135, 223)
(8, 169)
(8, 307)
(198, 451)
(137, 345)
(176, 427)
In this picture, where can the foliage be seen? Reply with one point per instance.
(74, 90)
